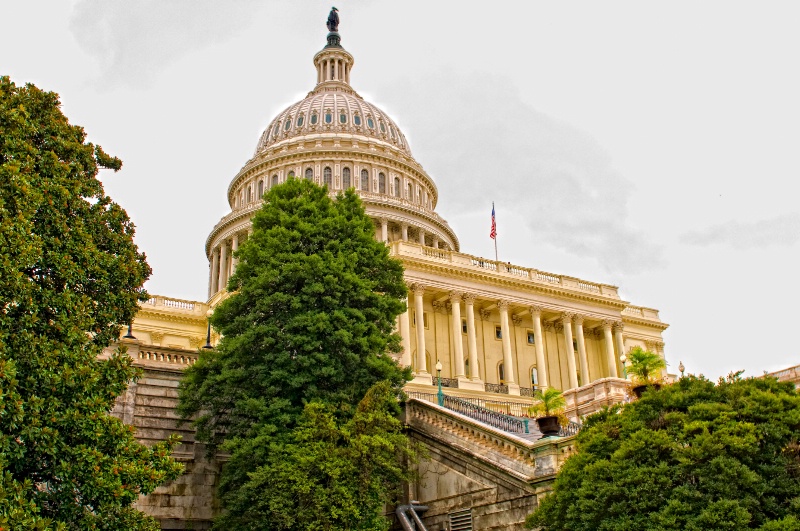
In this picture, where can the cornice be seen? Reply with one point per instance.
(660, 325)
(172, 317)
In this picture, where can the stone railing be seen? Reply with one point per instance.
(496, 388)
(166, 356)
(588, 399)
(402, 248)
(171, 304)
(403, 203)
(641, 312)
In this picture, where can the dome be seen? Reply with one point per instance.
(333, 112)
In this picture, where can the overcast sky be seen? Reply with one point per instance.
(650, 145)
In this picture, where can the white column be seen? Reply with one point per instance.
(384, 230)
(566, 320)
(508, 361)
(538, 343)
(435, 243)
(405, 334)
(223, 266)
(582, 358)
(611, 360)
(404, 229)
(472, 340)
(214, 272)
(422, 236)
(618, 339)
(234, 248)
(458, 347)
(419, 291)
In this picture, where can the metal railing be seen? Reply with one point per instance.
(448, 382)
(572, 428)
(487, 416)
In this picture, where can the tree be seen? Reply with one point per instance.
(645, 366)
(692, 456)
(310, 318)
(327, 474)
(70, 277)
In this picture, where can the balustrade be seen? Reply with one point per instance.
(496, 388)
(167, 357)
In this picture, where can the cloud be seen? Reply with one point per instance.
(782, 230)
(134, 41)
(480, 142)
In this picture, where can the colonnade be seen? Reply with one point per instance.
(612, 338)
(333, 69)
(223, 264)
(422, 236)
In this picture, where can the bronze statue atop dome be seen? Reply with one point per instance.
(333, 20)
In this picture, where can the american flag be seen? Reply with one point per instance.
(493, 232)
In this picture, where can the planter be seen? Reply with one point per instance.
(549, 426)
(639, 389)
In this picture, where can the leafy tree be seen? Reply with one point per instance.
(310, 318)
(693, 456)
(328, 474)
(70, 276)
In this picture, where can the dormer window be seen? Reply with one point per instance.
(391, 131)
(383, 128)
(276, 129)
(288, 124)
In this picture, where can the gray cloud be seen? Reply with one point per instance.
(480, 141)
(134, 41)
(780, 230)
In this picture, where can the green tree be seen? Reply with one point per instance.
(693, 456)
(327, 474)
(70, 277)
(310, 318)
(645, 366)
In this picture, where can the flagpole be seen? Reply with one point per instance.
(495, 240)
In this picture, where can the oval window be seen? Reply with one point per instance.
(357, 119)
(328, 117)
(370, 123)
(287, 125)
(391, 130)
(343, 118)
(383, 128)
(300, 121)
(277, 128)
(313, 119)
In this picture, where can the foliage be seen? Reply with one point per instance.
(310, 318)
(645, 366)
(327, 474)
(692, 456)
(547, 403)
(70, 276)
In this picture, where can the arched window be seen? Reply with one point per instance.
(260, 189)
(397, 186)
(309, 174)
(501, 373)
(381, 183)
(274, 180)
(288, 124)
(314, 118)
(410, 192)
(534, 378)
(249, 194)
(327, 176)
(291, 174)
(346, 178)
(365, 180)
(300, 120)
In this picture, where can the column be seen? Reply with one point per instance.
(435, 243)
(419, 291)
(234, 248)
(421, 236)
(404, 230)
(611, 360)
(405, 334)
(538, 344)
(566, 320)
(618, 329)
(582, 358)
(223, 265)
(214, 271)
(508, 362)
(384, 230)
(472, 340)
(458, 347)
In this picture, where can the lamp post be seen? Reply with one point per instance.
(623, 359)
(440, 394)
(208, 332)
(129, 335)
(681, 368)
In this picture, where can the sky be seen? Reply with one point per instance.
(649, 145)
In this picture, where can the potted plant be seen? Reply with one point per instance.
(546, 409)
(645, 367)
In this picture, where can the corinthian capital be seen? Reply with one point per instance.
(419, 289)
(502, 305)
(469, 298)
(536, 310)
(566, 317)
(577, 319)
(455, 297)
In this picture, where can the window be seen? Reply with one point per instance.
(288, 124)
(575, 346)
(249, 195)
(328, 117)
(346, 178)
(391, 131)
(424, 319)
(260, 189)
(531, 338)
(291, 174)
(410, 192)
(357, 119)
(383, 128)
(534, 378)
(397, 187)
(381, 183)
(300, 121)
(276, 129)
(463, 326)
(498, 332)
(501, 373)
(342, 118)
(365, 180)
(314, 119)
(370, 123)
(275, 180)
(309, 174)
(327, 177)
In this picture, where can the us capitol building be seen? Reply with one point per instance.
(498, 330)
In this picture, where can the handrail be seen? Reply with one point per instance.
(402, 513)
(487, 416)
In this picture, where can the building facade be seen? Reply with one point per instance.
(497, 330)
